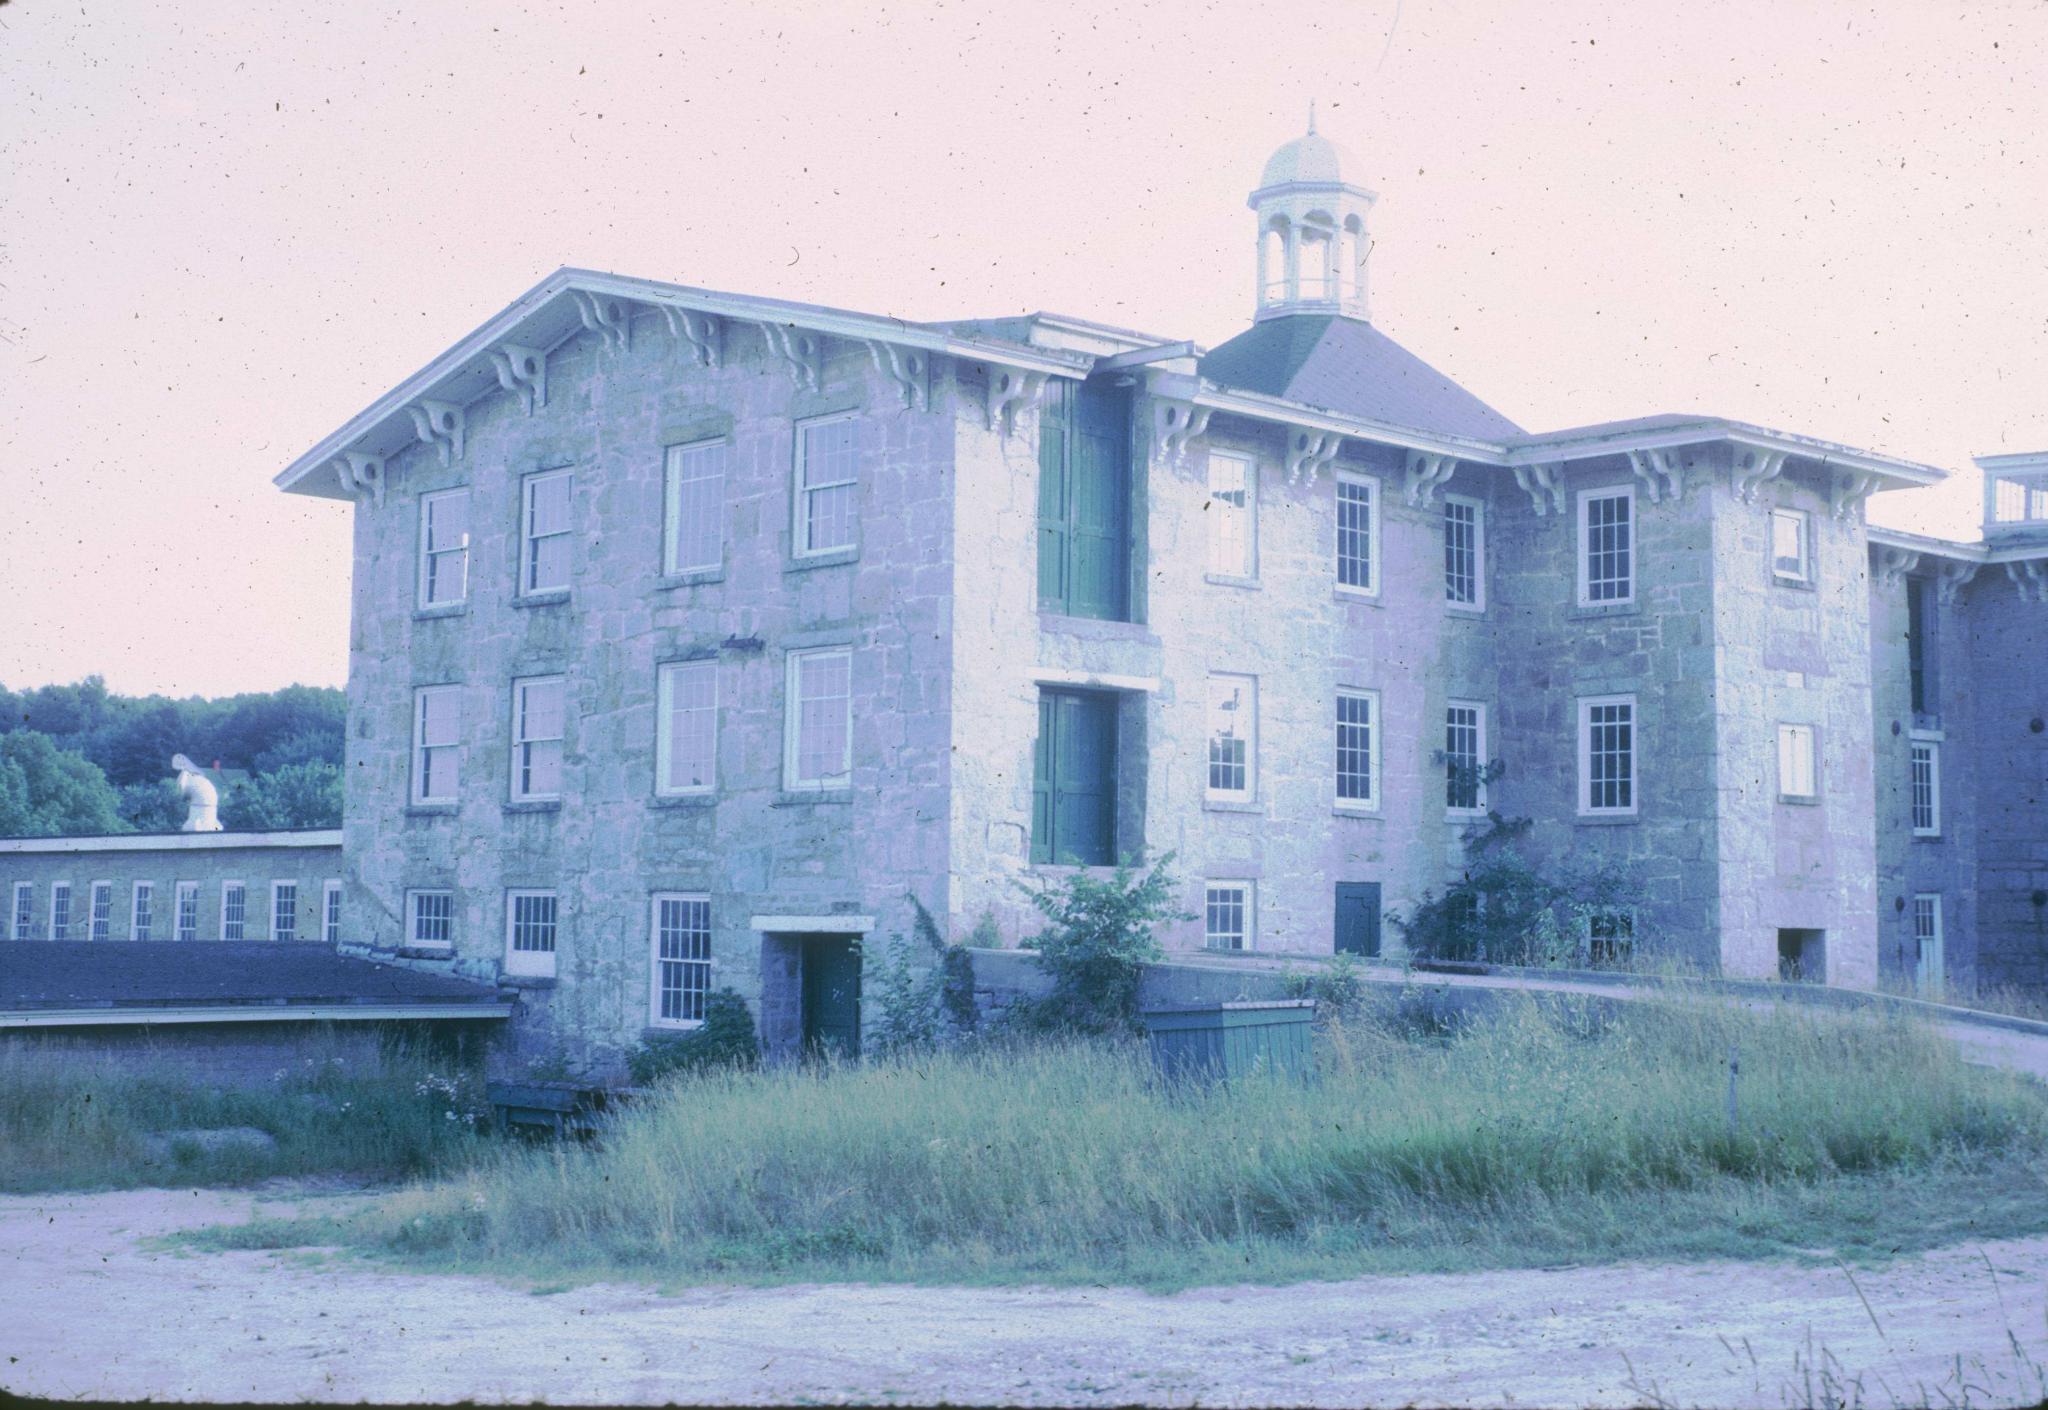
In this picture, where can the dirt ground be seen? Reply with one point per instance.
(89, 1313)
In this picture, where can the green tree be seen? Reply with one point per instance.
(153, 807)
(1097, 941)
(50, 792)
(297, 795)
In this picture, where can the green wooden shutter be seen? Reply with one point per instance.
(1041, 778)
(1055, 506)
(1099, 475)
(1084, 781)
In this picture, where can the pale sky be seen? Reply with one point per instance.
(225, 228)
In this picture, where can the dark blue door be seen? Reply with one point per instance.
(1358, 917)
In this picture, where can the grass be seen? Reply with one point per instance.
(1545, 1134)
(70, 1120)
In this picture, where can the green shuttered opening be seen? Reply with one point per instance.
(1084, 501)
(1073, 793)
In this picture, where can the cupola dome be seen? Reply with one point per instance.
(1312, 229)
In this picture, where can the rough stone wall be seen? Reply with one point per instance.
(610, 843)
(2006, 713)
(255, 867)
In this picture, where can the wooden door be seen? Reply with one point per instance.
(1358, 917)
(831, 995)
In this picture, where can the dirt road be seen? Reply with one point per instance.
(90, 1313)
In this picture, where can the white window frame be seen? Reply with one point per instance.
(792, 724)
(184, 899)
(99, 923)
(689, 456)
(330, 911)
(1371, 803)
(1478, 507)
(61, 888)
(685, 964)
(667, 676)
(1621, 913)
(243, 921)
(141, 911)
(1247, 692)
(800, 493)
(277, 891)
(1587, 704)
(21, 920)
(1223, 515)
(1587, 498)
(1478, 808)
(1931, 981)
(1932, 747)
(433, 559)
(539, 964)
(1790, 764)
(1248, 904)
(424, 750)
(414, 896)
(529, 541)
(1802, 523)
(1371, 485)
(521, 740)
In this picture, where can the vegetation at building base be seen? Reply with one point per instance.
(725, 1042)
(1552, 1131)
(1098, 938)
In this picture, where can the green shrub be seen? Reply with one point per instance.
(725, 1041)
(906, 1016)
(1096, 944)
(1503, 910)
(1337, 989)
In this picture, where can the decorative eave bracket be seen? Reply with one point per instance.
(909, 368)
(1661, 471)
(522, 371)
(1011, 391)
(610, 318)
(1174, 423)
(440, 424)
(1894, 563)
(1753, 469)
(1851, 488)
(702, 333)
(1309, 451)
(1544, 484)
(1425, 475)
(1951, 579)
(802, 353)
(2030, 576)
(361, 475)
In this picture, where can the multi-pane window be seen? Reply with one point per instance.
(1790, 552)
(530, 918)
(102, 911)
(1232, 511)
(1358, 749)
(686, 746)
(1929, 970)
(538, 717)
(1465, 757)
(284, 910)
(60, 910)
(827, 485)
(1357, 533)
(693, 508)
(818, 747)
(1464, 552)
(186, 916)
(1233, 737)
(330, 912)
(234, 910)
(1926, 785)
(431, 920)
(1607, 531)
(1073, 779)
(24, 909)
(544, 542)
(1227, 915)
(1610, 936)
(680, 946)
(1607, 754)
(444, 548)
(1798, 777)
(141, 911)
(436, 744)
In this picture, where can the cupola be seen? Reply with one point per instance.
(1312, 229)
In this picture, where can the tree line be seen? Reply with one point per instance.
(78, 760)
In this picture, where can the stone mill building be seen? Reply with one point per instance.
(697, 637)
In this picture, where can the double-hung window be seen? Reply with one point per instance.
(538, 721)
(1228, 918)
(827, 485)
(1465, 757)
(1926, 788)
(818, 720)
(330, 912)
(102, 911)
(444, 548)
(530, 926)
(60, 910)
(1232, 511)
(679, 946)
(185, 917)
(1929, 969)
(1798, 775)
(1358, 533)
(1607, 547)
(1464, 553)
(234, 911)
(686, 745)
(693, 508)
(1358, 750)
(284, 910)
(436, 744)
(1233, 738)
(1791, 546)
(544, 540)
(142, 903)
(24, 909)
(430, 920)
(1073, 779)
(1607, 755)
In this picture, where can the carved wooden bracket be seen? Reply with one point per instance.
(1754, 468)
(1010, 391)
(522, 371)
(361, 475)
(1544, 484)
(1661, 471)
(1174, 424)
(2030, 576)
(440, 425)
(1952, 578)
(704, 333)
(801, 353)
(608, 317)
(1894, 563)
(909, 368)
(1851, 488)
(1426, 473)
(1309, 451)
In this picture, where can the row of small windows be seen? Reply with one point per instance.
(149, 919)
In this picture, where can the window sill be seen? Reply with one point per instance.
(534, 805)
(440, 610)
(554, 597)
(1231, 805)
(432, 810)
(665, 1030)
(526, 981)
(1098, 628)
(683, 800)
(1232, 580)
(1799, 800)
(425, 952)
(804, 798)
(668, 582)
(1465, 609)
(1585, 611)
(1355, 810)
(1606, 819)
(1465, 817)
(836, 558)
(1927, 837)
(1796, 584)
(1358, 596)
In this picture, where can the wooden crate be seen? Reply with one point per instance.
(1217, 1042)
